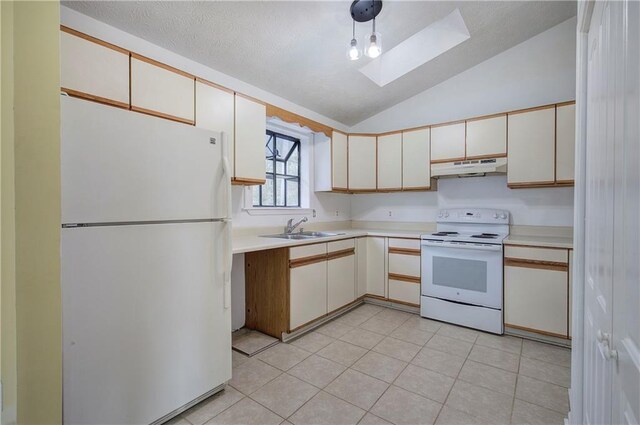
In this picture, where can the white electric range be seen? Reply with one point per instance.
(462, 268)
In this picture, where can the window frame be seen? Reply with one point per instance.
(274, 136)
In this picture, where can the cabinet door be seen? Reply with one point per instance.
(251, 129)
(376, 266)
(341, 279)
(565, 143)
(362, 163)
(406, 292)
(361, 268)
(308, 293)
(447, 142)
(536, 300)
(339, 161)
(416, 159)
(159, 90)
(487, 137)
(390, 162)
(215, 111)
(94, 70)
(531, 153)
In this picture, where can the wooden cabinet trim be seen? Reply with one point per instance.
(447, 123)
(442, 161)
(567, 103)
(284, 115)
(342, 253)
(93, 39)
(305, 261)
(536, 264)
(403, 302)
(94, 98)
(536, 185)
(247, 181)
(162, 65)
(535, 246)
(535, 108)
(524, 328)
(486, 117)
(404, 251)
(214, 85)
(487, 156)
(404, 278)
(162, 115)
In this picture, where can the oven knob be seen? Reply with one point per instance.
(446, 215)
(503, 216)
(495, 216)
(440, 215)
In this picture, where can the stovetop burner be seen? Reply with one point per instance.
(445, 233)
(485, 236)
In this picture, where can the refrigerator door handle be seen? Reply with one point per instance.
(228, 250)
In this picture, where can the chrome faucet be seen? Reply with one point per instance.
(290, 227)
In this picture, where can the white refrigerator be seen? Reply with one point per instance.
(145, 267)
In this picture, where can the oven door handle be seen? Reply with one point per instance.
(477, 247)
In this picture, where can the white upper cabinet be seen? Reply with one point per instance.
(251, 128)
(416, 159)
(565, 142)
(339, 161)
(93, 69)
(362, 163)
(487, 137)
(390, 161)
(531, 153)
(447, 142)
(215, 111)
(160, 90)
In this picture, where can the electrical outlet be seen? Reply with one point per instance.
(314, 213)
(389, 213)
(337, 213)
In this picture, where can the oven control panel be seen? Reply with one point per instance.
(473, 215)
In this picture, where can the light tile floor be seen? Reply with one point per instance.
(376, 365)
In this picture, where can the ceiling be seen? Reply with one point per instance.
(297, 49)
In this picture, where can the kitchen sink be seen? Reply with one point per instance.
(302, 235)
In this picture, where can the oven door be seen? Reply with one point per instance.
(466, 273)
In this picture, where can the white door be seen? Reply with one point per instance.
(145, 328)
(611, 378)
(626, 267)
(120, 166)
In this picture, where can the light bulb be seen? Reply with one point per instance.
(373, 45)
(353, 53)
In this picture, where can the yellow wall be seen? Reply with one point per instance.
(7, 220)
(36, 140)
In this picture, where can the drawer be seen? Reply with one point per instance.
(406, 265)
(341, 245)
(536, 254)
(306, 251)
(404, 243)
(406, 292)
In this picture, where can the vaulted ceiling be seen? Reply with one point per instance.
(297, 49)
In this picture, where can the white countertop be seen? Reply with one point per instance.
(248, 243)
(542, 241)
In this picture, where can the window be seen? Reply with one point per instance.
(282, 188)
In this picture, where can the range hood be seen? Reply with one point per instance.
(470, 168)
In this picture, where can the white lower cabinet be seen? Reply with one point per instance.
(308, 293)
(340, 281)
(404, 291)
(361, 267)
(536, 291)
(376, 266)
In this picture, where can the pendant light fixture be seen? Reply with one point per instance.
(353, 52)
(365, 11)
(373, 43)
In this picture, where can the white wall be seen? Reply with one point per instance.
(542, 207)
(539, 71)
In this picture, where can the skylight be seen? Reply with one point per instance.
(418, 49)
